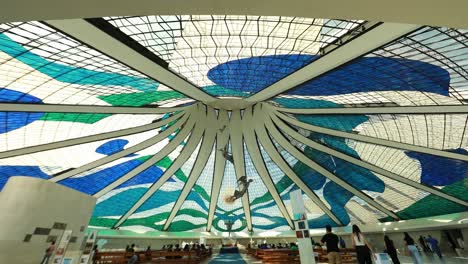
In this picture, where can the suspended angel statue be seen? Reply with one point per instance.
(228, 156)
(242, 186)
(222, 129)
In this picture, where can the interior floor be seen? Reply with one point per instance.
(427, 259)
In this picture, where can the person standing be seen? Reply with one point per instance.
(331, 241)
(342, 243)
(148, 254)
(48, 253)
(412, 249)
(132, 248)
(391, 250)
(423, 243)
(293, 246)
(133, 259)
(434, 245)
(363, 248)
(96, 256)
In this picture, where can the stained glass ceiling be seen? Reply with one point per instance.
(368, 119)
(203, 48)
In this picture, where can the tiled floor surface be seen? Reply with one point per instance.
(403, 259)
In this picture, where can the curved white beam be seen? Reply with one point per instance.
(222, 138)
(373, 38)
(364, 164)
(87, 139)
(142, 145)
(372, 140)
(191, 145)
(427, 109)
(93, 109)
(94, 37)
(166, 150)
(276, 134)
(447, 13)
(237, 146)
(203, 155)
(288, 171)
(171, 146)
(257, 159)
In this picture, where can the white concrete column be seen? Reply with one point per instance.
(35, 210)
(301, 226)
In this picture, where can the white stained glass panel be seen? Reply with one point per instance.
(53, 68)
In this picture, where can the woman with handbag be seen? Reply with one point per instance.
(363, 248)
(412, 249)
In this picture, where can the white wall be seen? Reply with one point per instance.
(27, 203)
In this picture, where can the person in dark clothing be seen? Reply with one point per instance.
(169, 249)
(331, 241)
(187, 247)
(132, 248)
(434, 245)
(177, 249)
(148, 253)
(422, 242)
(363, 248)
(391, 250)
(96, 257)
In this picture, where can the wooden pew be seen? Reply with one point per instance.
(180, 257)
(157, 256)
(348, 255)
(251, 251)
(278, 256)
(259, 253)
(111, 258)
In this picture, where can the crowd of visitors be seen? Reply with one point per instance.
(187, 247)
(134, 257)
(365, 251)
(291, 246)
(333, 243)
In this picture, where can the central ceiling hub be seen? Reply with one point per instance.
(230, 104)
